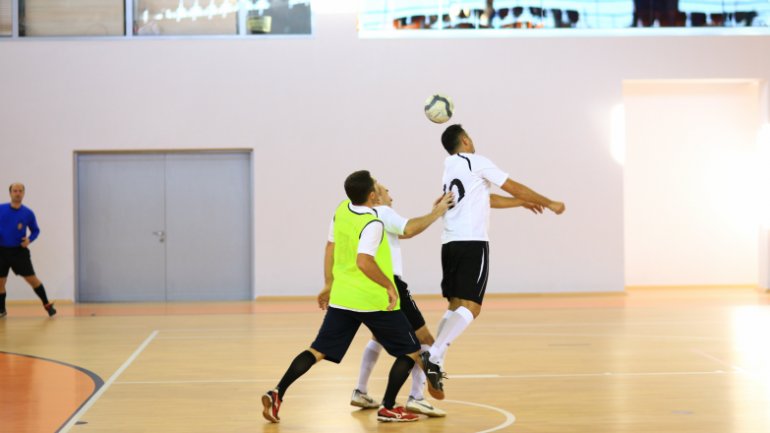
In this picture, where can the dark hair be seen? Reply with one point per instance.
(451, 138)
(358, 186)
(10, 187)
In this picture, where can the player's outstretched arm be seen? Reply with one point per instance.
(502, 202)
(415, 226)
(523, 192)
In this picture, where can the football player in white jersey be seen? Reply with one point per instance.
(465, 249)
(396, 227)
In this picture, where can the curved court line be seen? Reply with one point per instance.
(509, 417)
(98, 381)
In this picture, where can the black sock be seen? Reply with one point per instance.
(40, 292)
(398, 375)
(2, 302)
(298, 367)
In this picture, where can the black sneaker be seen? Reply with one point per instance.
(3, 314)
(434, 375)
(50, 309)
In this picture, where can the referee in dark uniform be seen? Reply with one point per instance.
(16, 220)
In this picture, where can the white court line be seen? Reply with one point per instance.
(201, 330)
(118, 372)
(591, 324)
(509, 417)
(274, 334)
(254, 336)
(664, 337)
(476, 326)
(576, 375)
(717, 360)
(256, 328)
(458, 376)
(203, 382)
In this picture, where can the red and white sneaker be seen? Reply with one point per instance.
(50, 309)
(271, 403)
(397, 414)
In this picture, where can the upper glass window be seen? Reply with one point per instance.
(155, 17)
(6, 20)
(71, 18)
(384, 15)
(221, 17)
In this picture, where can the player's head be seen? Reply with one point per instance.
(383, 194)
(455, 140)
(17, 192)
(359, 187)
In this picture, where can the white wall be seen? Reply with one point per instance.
(691, 190)
(764, 259)
(316, 109)
(763, 144)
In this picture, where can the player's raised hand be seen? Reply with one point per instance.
(443, 203)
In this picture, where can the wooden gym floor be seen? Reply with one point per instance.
(642, 362)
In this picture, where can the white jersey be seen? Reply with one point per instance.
(394, 225)
(469, 177)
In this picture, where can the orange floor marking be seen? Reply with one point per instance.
(40, 395)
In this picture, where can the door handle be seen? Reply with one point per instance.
(161, 235)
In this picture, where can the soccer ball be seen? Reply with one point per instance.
(439, 108)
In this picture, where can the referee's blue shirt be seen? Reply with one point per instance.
(14, 224)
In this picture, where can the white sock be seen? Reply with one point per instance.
(371, 353)
(418, 378)
(442, 323)
(454, 326)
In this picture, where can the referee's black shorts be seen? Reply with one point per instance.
(16, 258)
(408, 306)
(465, 267)
(390, 328)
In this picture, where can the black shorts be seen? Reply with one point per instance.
(390, 328)
(16, 258)
(408, 305)
(465, 266)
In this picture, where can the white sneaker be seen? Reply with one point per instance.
(423, 407)
(361, 399)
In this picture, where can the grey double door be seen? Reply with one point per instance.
(164, 227)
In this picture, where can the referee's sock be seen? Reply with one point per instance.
(2, 302)
(40, 292)
(298, 367)
(398, 374)
(454, 326)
